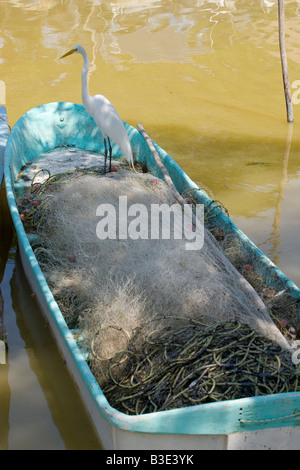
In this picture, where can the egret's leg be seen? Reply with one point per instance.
(105, 155)
(110, 153)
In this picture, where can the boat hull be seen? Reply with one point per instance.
(258, 422)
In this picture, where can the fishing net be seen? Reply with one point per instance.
(151, 298)
(192, 363)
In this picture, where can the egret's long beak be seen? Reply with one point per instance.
(69, 53)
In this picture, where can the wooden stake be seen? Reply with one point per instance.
(2, 332)
(167, 177)
(284, 65)
(161, 166)
(2, 327)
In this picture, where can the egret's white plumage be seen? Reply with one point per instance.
(103, 112)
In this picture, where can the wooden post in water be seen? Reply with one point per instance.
(284, 65)
(2, 327)
(2, 333)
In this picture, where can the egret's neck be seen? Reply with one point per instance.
(86, 98)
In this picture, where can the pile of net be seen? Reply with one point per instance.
(192, 363)
(117, 285)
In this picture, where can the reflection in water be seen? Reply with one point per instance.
(6, 231)
(43, 373)
(204, 78)
(5, 243)
(4, 393)
(275, 235)
(5, 255)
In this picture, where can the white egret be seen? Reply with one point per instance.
(104, 114)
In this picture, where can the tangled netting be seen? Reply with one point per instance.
(193, 363)
(109, 289)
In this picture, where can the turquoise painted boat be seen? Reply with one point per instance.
(271, 421)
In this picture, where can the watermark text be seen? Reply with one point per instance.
(160, 221)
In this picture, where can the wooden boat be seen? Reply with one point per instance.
(270, 421)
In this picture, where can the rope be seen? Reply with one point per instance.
(212, 209)
(192, 363)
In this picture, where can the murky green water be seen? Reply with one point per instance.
(204, 78)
